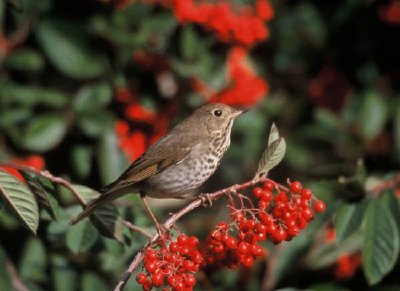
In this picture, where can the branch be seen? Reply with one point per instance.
(176, 216)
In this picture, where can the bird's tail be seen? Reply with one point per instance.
(92, 206)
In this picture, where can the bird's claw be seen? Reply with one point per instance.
(206, 200)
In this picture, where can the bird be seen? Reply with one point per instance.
(178, 163)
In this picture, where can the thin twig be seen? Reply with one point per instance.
(172, 221)
(136, 228)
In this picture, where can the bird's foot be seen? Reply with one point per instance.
(205, 200)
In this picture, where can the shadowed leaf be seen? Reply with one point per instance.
(105, 218)
(39, 191)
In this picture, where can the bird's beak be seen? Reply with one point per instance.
(240, 112)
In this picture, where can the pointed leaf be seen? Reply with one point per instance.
(81, 237)
(105, 218)
(348, 219)
(272, 156)
(68, 47)
(21, 200)
(381, 242)
(273, 134)
(45, 132)
(38, 190)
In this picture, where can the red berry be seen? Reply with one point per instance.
(295, 187)
(247, 261)
(265, 218)
(266, 196)
(257, 250)
(188, 265)
(196, 257)
(190, 281)
(257, 192)
(172, 280)
(230, 242)
(182, 239)
(263, 204)
(150, 266)
(306, 194)
(279, 235)
(269, 186)
(293, 231)
(319, 206)
(193, 242)
(243, 247)
(261, 236)
(301, 222)
(281, 197)
(173, 247)
(307, 213)
(141, 278)
(151, 255)
(157, 279)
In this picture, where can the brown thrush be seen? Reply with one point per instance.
(179, 162)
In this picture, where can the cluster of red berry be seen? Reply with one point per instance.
(279, 216)
(224, 249)
(244, 25)
(286, 212)
(172, 263)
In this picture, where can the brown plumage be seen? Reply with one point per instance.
(179, 162)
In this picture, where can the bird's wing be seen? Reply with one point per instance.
(155, 160)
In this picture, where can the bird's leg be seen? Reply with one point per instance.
(146, 205)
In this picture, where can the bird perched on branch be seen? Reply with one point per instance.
(179, 162)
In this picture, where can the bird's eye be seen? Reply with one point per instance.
(217, 113)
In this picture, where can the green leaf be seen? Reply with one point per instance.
(81, 156)
(45, 132)
(65, 278)
(105, 218)
(109, 158)
(91, 98)
(81, 237)
(272, 156)
(33, 262)
(41, 194)
(5, 278)
(21, 200)
(373, 115)
(68, 47)
(348, 219)
(25, 60)
(29, 96)
(93, 282)
(95, 124)
(381, 242)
